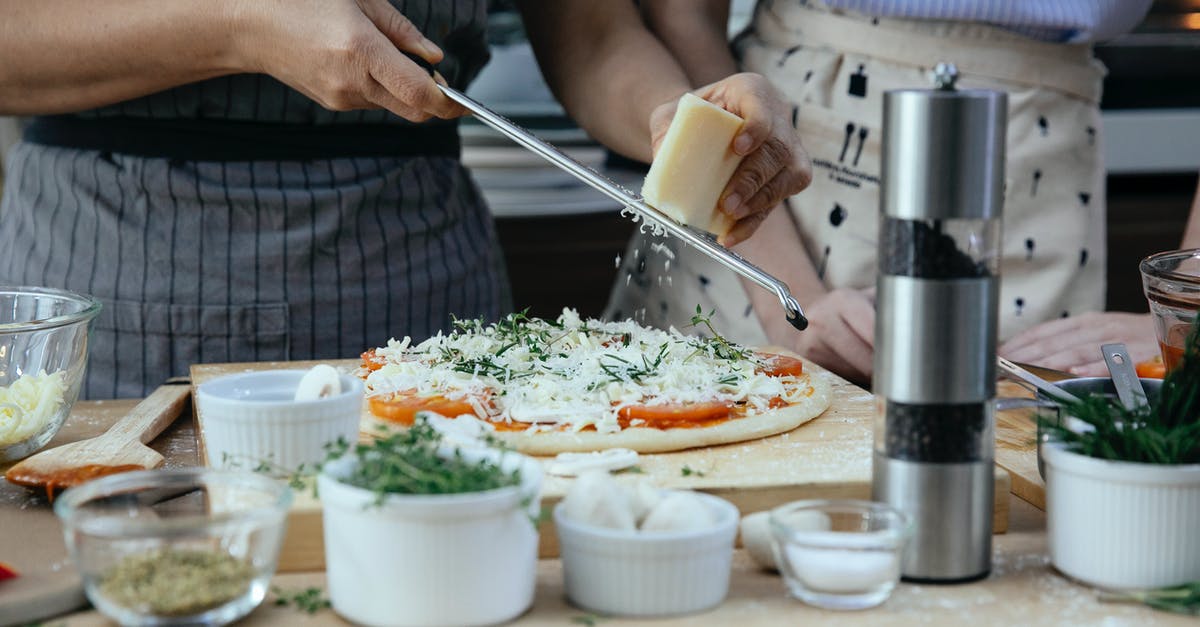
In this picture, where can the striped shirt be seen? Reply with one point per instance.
(1068, 21)
(458, 27)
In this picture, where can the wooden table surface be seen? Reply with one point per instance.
(1022, 590)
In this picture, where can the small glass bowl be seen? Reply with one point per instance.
(839, 555)
(43, 353)
(1171, 281)
(189, 546)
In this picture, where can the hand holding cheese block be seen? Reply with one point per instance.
(694, 164)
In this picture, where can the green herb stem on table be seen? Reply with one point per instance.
(1184, 599)
(309, 600)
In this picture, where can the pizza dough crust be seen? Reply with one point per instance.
(649, 440)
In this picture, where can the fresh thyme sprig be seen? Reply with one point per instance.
(1166, 433)
(625, 370)
(1183, 599)
(720, 347)
(309, 600)
(410, 462)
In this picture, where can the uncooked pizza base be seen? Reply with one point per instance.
(649, 440)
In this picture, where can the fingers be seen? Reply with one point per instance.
(775, 165)
(742, 229)
(787, 182)
(400, 30)
(842, 334)
(1035, 335)
(660, 121)
(842, 352)
(1094, 369)
(408, 91)
(1073, 344)
(752, 98)
(760, 181)
(1071, 356)
(858, 312)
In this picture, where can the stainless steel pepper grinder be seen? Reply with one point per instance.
(937, 306)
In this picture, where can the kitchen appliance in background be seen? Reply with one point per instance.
(937, 299)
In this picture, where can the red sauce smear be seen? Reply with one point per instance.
(65, 478)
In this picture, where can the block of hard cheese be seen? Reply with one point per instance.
(693, 165)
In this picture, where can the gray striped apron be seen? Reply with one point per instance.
(227, 260)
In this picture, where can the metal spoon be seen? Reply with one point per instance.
(1124, 376)
(1044, 386)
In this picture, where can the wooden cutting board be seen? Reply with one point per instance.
(31, 538)
(829, 457)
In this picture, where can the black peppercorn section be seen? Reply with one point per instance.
(922, 250)
(944, 433)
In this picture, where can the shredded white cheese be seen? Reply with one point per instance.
(576, 373)
(29, 404)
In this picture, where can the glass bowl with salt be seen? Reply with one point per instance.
(188, 546)
(839, 554)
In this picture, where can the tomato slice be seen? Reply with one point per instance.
(780, 365)
(370, 361)
(402, 407)
(1152, 368)
(7, 572)
(675, 414)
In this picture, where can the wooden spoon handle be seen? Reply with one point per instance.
(148, 419)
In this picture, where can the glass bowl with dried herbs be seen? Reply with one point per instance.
(1123, 484)
(175, 547)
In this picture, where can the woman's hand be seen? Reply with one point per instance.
(775, 165)
(841, 333)
(344, 54)
(1073, 344)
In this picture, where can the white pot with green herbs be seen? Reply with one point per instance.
(1123, 493)
(418, 532)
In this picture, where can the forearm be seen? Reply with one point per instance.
(777, 248)
(607, 70)
(66, 55)
(694, 31)
(1191, 234)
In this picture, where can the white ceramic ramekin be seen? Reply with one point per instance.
(250, 418)
(639, 573)
(423, 560)
(1122, 525)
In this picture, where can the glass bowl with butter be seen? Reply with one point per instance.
(183, 546)
(43, 353)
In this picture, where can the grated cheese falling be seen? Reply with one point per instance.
(574, 372)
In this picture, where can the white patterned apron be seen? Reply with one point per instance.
(834, 68)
